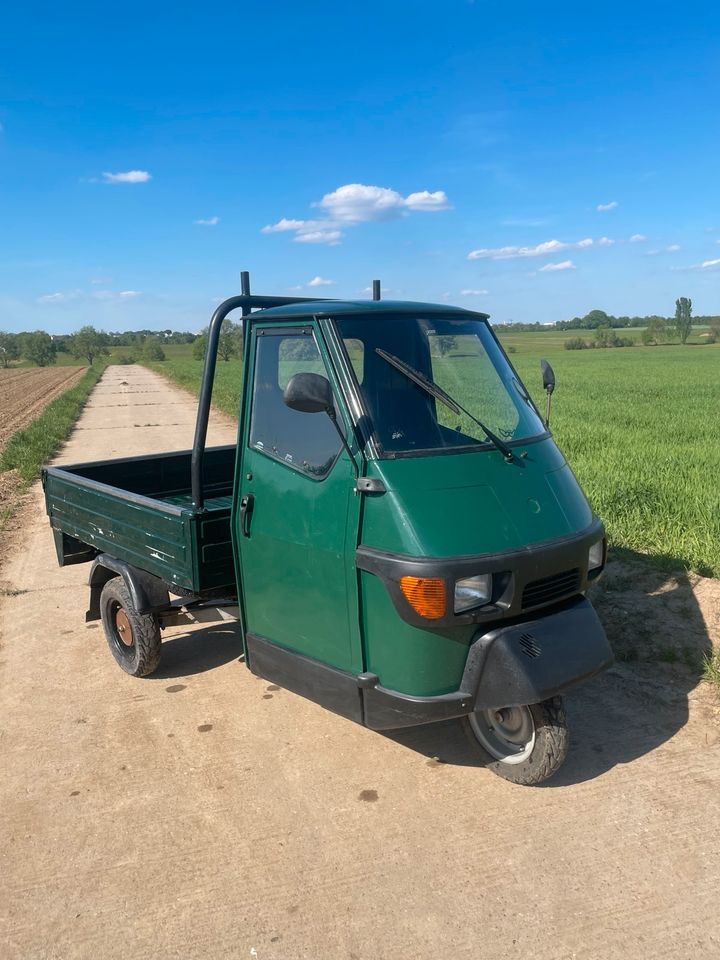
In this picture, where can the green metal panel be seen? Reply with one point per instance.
(139, 510)
(298, 564)
(455, 505)
(466, 503)
(423, 663)
(147, 537)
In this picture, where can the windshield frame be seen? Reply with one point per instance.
(364, 424)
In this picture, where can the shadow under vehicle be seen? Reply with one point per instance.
(396, 531)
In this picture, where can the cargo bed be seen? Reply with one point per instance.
(139, 510)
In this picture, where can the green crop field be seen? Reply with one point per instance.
(639, 426)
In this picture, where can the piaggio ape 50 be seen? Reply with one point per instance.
(396, 531)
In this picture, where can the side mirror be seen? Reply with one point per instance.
(548, 385)
(548, 376)
(309, 393)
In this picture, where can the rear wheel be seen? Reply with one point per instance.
(525, 744)
(133, 638)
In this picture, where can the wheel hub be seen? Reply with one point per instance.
(123, 628)
(507, 734)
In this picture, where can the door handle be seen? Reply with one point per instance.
(246, 508)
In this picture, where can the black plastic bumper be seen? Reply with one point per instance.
(523, 663)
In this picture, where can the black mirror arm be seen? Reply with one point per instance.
(333, 418)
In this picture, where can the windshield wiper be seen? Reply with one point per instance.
(431, 388)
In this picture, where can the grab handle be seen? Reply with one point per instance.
(246, 508)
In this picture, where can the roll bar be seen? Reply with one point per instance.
(245, 301)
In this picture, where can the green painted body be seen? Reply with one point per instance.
(295, 574)
(456, 505)
(139, 510)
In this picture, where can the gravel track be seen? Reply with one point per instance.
(204, 814)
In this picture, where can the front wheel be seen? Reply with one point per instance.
(526, 744)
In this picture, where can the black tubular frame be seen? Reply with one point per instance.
(245, 302)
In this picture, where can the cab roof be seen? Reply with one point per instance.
(337, 308)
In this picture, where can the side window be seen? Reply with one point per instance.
(306, 441)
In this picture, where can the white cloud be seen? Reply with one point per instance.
(563, 265)
(58, 297)
(539, 250)
(604, 207)
(96, 280)
(210, 222)
(356, 203)
(320, 282)
(130, 176)
(638, 238)
(331, 237)
(709, 263)
(605, 242)
(473, 293)
(106, 296)
(283, 225)
(359, 203)
(673, 248)
(424, 200)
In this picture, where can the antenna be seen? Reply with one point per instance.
(376, 289)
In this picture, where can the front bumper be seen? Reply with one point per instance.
(523, 663)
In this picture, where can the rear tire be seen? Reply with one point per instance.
(526, 745)
(133, 638)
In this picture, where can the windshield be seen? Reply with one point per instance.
(461, 357)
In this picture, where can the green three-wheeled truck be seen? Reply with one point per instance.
(395, 531)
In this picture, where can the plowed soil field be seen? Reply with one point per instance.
(25, 393)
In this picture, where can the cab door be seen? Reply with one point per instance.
(297, 533)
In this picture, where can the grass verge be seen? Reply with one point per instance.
(711, 670)
(32, 446)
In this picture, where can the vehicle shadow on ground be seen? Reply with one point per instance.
(659, 636)
(196, 651)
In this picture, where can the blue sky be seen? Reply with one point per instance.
(534, 161)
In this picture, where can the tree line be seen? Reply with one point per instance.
(89, 344)
(599, 318)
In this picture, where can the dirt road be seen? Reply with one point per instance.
(202, 813)
(25, 392)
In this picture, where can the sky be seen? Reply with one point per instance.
(533, 161)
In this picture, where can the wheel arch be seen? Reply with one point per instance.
(149, 593)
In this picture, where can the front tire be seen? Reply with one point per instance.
(133, 638)
(526, 745)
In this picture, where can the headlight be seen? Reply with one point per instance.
(596, 555)
(473, 592)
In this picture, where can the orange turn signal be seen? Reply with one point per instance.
(426, 595)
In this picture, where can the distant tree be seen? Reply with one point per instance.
(152, 349)
(198, 347)
(88, 343)
(683, 318)
(444, 344)
(9, 348)
(604, 337)
(38, 348)
(657, 331)
(596, 318)
(228, 342)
